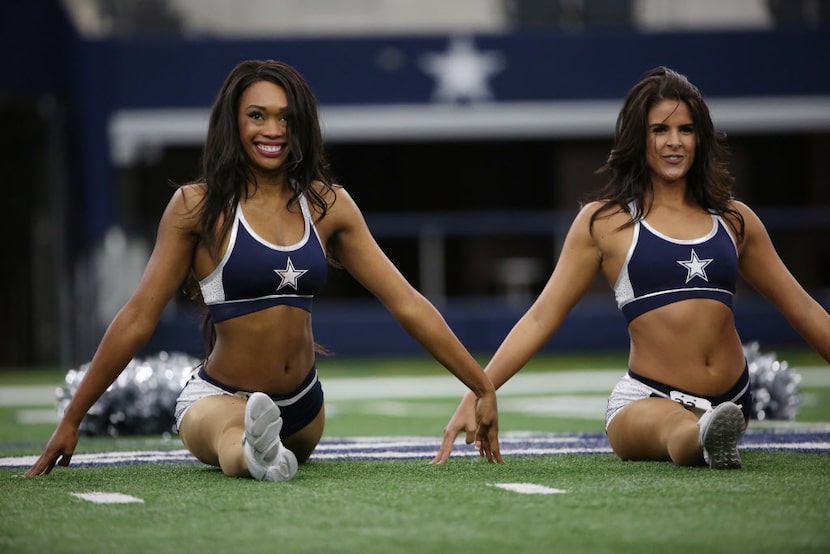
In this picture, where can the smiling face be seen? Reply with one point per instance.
(262, 118)
(670, 142)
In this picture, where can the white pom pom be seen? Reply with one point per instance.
(775, 386)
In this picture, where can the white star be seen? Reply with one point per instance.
(696, 266)
(461, 73)
(289, 275)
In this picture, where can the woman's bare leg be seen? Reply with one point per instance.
(212, 430)
(656, 429)
(213, 427)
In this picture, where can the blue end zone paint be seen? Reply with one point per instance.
(425, 448)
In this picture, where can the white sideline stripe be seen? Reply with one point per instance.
(528, 488)
(575, 407)
(590, 407)
(578, 407)
(814, 376)
(395, 387)
(30, 417)
(368, 388)
(437, 386)
(107, 497)
(28, 395)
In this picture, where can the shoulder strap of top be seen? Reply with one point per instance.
(632, 209)
(304, 207)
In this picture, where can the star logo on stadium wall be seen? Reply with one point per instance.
(696, 266)
(462, 73)
(289, 275)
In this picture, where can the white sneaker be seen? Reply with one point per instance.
(267, 458)
(721, 428)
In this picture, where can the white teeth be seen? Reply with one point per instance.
(270, 149)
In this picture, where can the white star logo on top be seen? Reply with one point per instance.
(696, 266)
(462, 72)
(289, 275)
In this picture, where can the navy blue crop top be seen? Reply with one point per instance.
(255, 274)
(660, 270)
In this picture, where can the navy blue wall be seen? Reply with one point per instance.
(42, 53)
(94, 78)
(141, 73)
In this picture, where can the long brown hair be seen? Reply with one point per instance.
(709, 181)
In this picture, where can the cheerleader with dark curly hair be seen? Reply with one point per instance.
(257, 233)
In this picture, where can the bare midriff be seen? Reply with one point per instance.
(692, 345)
(270, 350)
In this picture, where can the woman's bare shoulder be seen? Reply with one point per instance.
(603, 213)
(742, 208)
(192, 194)
(185, 206)
(336, 197)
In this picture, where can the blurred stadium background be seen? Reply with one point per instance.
(467, 130)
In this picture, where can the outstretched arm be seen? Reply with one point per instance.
(575, 270)
(355, 248)
(131, 328)
(762, 268)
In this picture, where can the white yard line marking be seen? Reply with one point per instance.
(425, 448)
(108, 497)
(773, 446)
(528, 488)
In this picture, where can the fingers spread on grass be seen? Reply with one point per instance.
(446, 447)
(42, 466)
(488, 446)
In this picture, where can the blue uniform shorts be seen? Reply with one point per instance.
(298, 408)
(632, 387)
